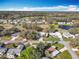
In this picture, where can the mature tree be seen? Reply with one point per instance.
(26, 54)
(36, 27)
(33, 53)
(32, 35)
(9, 31)
(74, 43)
(26, 26)
(1, 28)
(32, 26)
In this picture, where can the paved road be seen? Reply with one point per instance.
(73, 54)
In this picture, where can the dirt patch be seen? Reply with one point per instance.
(7, 26)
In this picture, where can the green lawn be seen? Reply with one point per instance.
(67, 24)
(67, 39)
(53, 39)
(6, 38)
(64, 55)
(59, 46)
(13, 45)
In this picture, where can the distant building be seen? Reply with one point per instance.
(75, 21)
(62, 23)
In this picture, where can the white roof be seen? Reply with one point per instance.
(21, 46)
(11, 51)
(67, 34)
(54, 53)
(17, 52)
(3, 50)
(14, 51)
(41, 39)
(57, 34)
(42, 33)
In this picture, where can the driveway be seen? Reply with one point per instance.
(73, 54)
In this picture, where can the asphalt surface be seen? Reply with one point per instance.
(73, 54)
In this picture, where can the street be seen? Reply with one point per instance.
(73, 54)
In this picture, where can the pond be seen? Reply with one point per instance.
(66, 27)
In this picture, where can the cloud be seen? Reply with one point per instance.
(73, 8)
(53, 8)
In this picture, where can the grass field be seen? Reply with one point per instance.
(59, 46)
(64, 55)
(6, 38)
(53, 39)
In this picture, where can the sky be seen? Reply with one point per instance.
(39, 5)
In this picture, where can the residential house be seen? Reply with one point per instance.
(3, 50)
(63, 23)
(75, 21)
(56, 34)
(55, 53)
(11, 53)
(20, 46)
(42, 34)
(19, 49)
(45, 58)
(51, 52)
(77, 36)
(68, 35)
(14, 52)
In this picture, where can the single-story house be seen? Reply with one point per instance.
(62, 23)
(45, 58)
(20, 46)
(51, 52)
(11, 53)
(41, 39)
(56, 34)
(68, 35)
(14, 52)
(15, 34)
(3, 50)
(42, 34)
(55, 53)
(76, 35)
